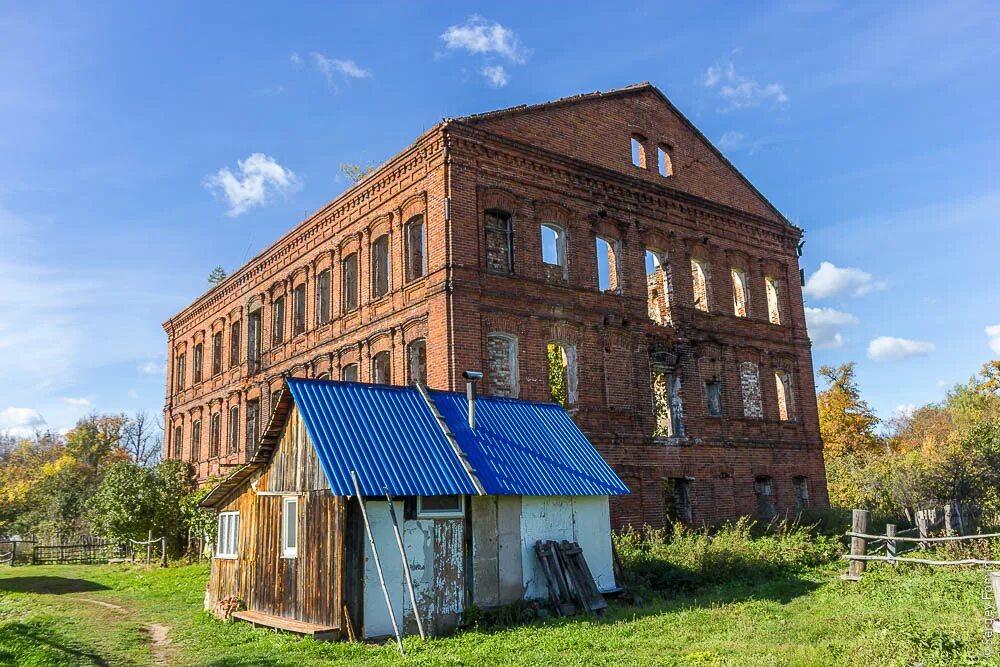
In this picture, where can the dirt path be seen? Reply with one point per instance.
(157, 634)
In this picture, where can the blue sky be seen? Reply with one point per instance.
(143, 144)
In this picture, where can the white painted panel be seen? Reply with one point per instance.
(377, 619)
(582, 519)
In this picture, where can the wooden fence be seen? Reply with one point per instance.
(894, 543)
(89, 552)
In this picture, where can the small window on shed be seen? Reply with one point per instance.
(228, 539)
(663, 163)
(289, 527)
(608, 264)
(440, 507)
(638, 151)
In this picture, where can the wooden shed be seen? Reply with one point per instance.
(470, 499)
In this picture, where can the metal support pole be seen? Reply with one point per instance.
(406, 565)
(378, 563)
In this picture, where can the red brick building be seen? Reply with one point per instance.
(596, 250)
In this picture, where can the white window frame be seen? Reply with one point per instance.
(441, 514)
(289, 551)
(228, 538)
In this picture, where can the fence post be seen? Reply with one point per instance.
(890, 539)
(859, 545)
(149, 546)
(163, 551)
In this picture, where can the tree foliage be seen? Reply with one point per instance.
(846, 422)
(356, 171)
(217, 275)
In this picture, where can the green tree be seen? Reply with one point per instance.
(124, 504)
(356, 171)
(847, 424)
(217, 275)
(557, 374)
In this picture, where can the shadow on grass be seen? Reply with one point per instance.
(49, 585)
(36, 644)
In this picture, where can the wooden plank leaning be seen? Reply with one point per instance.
(406, 564)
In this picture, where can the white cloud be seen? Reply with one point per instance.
(76, 402)
(335, 68)
(295, 58)
(256, 179)
(20, 422)
(740, 91)
(496, 75)
(824, 325)
(993, 333)
(153, 368)
(831, 280)
(890, 348)
(477, 36)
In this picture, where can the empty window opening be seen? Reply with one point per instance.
(199, 355)
(178, 442)
(323, 376)
(181, 371)
(765, 498)
(638, 151)
(659, 287)
(382, 368)
(215, 436)
(773, 300)
(196, 441)
(416, 361)
(801, 485)
(501, 351)
(677, 500)
(228, 539)
(278, 323)
(667, 408)
(562, 374)
(440, 507)
(554, 249)
(234, 344)
(499, 242)
(783, 388)
(217, 353)
(323, 297)
(349, 373)
(253, 418)
(350, 282)
(750, 385)
(608, 264)
(663, 163)
(380, 266)
(713, 397)
(254, 341)
(741, 297)
(700, 283)
(289, 527)
(234, 429)
(415, 267)
(299, 309)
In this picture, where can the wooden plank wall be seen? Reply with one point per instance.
(306, 588)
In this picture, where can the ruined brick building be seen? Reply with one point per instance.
(596, 250)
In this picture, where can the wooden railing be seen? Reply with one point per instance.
(90, 552)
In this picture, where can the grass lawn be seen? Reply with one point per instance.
(131, 615)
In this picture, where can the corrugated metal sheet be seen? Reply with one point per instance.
(527, 448)
(387, 434)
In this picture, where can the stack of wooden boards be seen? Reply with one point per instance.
(571, 585)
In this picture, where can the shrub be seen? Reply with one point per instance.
(684, 559)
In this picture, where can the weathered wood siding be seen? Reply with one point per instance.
(307, 587)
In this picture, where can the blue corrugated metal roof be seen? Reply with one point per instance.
(527, 448)
(386, 434)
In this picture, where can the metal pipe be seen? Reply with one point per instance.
(470, 393)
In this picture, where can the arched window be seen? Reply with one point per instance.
(380, 266)
(666, 390)
(234, 344)
(415, 267)
(178, 441)
(773, 291)
(659, 287)
(608, 264)
(382, 368)
(499, 242)
(196, 441)
(783, 388)
(323, 297)
(700, 283)
(502, 372)
(349, 373)
(741, 297)
(254, 321)
(323, 376)
(215, 436)
(663, 163)
(299, 309)
(199, 355)
(554, 247)
(349, 279)
(562, 373)
(416, 361)
(181, 371)
(638, 151)
(750, 385)
(234, 429)
(278, 320)
(217, 353)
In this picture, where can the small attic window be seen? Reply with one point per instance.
(638, 151)
(663, 163)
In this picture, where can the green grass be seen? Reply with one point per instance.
(49, 615)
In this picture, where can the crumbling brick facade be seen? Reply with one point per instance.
(655, 379)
